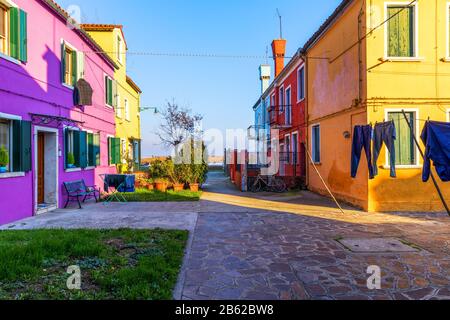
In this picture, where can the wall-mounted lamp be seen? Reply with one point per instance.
(155, 110)
(347, 135)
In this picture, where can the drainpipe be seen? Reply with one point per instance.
(306, 144)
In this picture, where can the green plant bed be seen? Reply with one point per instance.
(115, 264)
(145, 195)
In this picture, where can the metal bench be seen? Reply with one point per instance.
(77, 190)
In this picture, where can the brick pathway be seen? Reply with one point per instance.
(285, 247)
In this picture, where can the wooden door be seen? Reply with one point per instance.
(41, 168)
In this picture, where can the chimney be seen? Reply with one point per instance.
(264, 76)
(279, 51)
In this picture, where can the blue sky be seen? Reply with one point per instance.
(223, 90)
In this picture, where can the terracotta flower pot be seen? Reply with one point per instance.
(150, 187)
(193, 187)
(161, 186)
(177, 187)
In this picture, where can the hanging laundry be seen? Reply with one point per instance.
(362, 138)
(82, 94)
(384, 133)
(436, 137)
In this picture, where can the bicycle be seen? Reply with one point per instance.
(268, 183)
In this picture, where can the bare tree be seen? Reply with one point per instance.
(179, 124)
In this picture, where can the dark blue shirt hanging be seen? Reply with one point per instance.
(436, 137)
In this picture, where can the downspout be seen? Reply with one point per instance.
(304, 56)
(360, 64)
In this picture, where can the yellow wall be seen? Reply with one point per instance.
(126, 129)
(333, 87)
(421, 85)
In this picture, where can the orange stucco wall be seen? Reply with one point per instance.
(333, 87)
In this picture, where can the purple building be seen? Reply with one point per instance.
(45, 134)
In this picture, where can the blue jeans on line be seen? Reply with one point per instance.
(362, 138)
(384, 133)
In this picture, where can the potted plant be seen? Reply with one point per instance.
(4, 159)
(161, 184)
(179, 177)
(150, 184)
(195, 176)
(70, 160)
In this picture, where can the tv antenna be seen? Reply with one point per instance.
(281, 23)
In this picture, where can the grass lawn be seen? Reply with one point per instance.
(144, 195)
(115, 264)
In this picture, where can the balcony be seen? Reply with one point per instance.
(277, 117)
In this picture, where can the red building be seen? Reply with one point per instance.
(287, 113)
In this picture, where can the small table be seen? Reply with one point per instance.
(114, 184)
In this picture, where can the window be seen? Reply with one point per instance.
(15, 137)
(69, 77)
(13, 33)
(5, 139)
(72, 150)
(3, 30)
(281, 99)
(82, 149)
(119, 107)
(288, 149)
(127, 110)
(114, 151)
(93, 150)
(401, 31)
(109, 88)
(288, 114)
(119, 49)
(301, 84)
(295, 148)
(315, 143)
(405, 151)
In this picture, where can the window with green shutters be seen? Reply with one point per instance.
(13, 33)
(15, 137)
(80, 148)
(111, 95)
(405, 150)
(72, 65)
(114, 151)
(401, 31)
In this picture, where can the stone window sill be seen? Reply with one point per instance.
(10, 59)
(73, 170)
(12, 175)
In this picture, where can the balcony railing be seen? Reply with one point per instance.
(277, 116)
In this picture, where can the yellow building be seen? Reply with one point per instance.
(127, 95)
(369, 61)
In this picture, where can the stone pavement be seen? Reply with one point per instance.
(269, 246)
(272, 246)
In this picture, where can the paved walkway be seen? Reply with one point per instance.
(271, 246)
(286, 247)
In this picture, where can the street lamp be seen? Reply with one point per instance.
(155, 110)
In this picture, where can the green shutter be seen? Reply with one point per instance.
(110, 92)
(63, 62)
(404, 144)
(23, 37)
(76, 148)
(83, 149)
(110, 151)
(21, 146)
(74, 68)
(117, 151)
(97, 149)
(14, 32)
(90, 150)
(401, 32)
(66, 147)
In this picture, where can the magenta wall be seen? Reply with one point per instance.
(35, 87)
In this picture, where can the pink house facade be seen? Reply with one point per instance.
(49, 138)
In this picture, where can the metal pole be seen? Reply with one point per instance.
(423, 157)
(323, 181)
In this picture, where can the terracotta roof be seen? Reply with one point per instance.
(104, 27)
(331, 19)
(133, 85)
(86, 37)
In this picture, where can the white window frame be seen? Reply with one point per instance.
(8, 4)
(70, 128)
(417, 165)
(300, 99)
(10, 143)
(119, 107)
(106, 88)
(75, 51)
(281, 93)
(416, 56)
(289, 88)
(313, 147)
